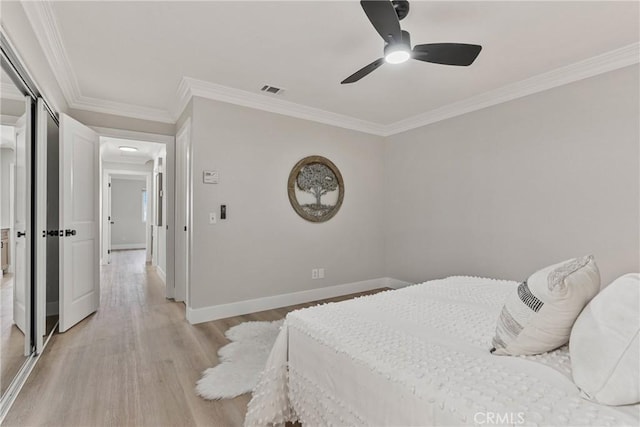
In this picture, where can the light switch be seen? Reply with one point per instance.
(212, 218)
(210, 177)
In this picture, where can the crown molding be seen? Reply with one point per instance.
(609, 61)
(44, 25)
(190, 87)
(43, 22)
(121, 109)
(7, 120)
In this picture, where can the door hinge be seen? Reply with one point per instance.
(108, 251)
(185, 228)
(109, 185)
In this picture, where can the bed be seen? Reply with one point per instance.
(417, 356)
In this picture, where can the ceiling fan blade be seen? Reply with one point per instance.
(363, 71)
(383, 16)
(447, 53)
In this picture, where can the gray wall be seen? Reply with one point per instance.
(509, 189)
(264, 248)
(126, 212)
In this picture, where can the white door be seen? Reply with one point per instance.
(21, 225)
(79, 219)
(107, 236)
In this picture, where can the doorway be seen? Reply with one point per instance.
(134, 178)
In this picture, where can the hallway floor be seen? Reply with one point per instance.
(133, 363)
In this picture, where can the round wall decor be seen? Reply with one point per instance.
(315, 188)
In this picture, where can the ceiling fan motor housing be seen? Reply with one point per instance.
(402, 8)
(404, 44)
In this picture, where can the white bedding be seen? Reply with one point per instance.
(417, 356)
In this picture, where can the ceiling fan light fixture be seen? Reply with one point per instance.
(127, 149)
(398, 51)
(397, 56)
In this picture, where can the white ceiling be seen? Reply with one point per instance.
(110, 150)
(136, 53)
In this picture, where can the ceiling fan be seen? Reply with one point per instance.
(385, 15)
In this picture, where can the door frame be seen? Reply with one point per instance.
(184, 211)
(41, 224)
(169, 192)
(107, 176)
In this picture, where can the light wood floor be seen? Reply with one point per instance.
(133, 363)
(11, 338)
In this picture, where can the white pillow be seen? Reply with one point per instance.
(604, 346)
(538, 316)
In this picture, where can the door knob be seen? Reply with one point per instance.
(22, 233)
(68, 232)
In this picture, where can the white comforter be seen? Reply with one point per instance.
(417, 356)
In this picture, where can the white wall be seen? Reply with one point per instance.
(128, 230)
(7, 156)
(509, 189)
(264, 248)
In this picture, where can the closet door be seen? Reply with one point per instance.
(79, 220)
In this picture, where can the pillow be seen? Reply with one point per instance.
(604, 345)
(538, 316)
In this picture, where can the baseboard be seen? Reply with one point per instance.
(128, 246)
(53, 308)
(214, 312)
(397, 284)
(161, 274)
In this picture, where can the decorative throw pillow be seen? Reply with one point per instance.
(604, 345)
(538, 317)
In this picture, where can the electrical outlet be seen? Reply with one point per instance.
(314, 273)
(321, 273)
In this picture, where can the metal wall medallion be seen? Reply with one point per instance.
(315, 188)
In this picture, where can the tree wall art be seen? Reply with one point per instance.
(315, 188)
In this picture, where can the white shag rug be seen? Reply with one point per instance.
(241, 361)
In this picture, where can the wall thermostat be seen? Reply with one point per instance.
(210, 177)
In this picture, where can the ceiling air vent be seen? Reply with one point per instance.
(271, 89)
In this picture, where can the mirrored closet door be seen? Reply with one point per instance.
(16, 220)
(47, 246)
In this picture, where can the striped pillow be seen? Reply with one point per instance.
(538, 317)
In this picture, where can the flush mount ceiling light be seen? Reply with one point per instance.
(128, 149)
